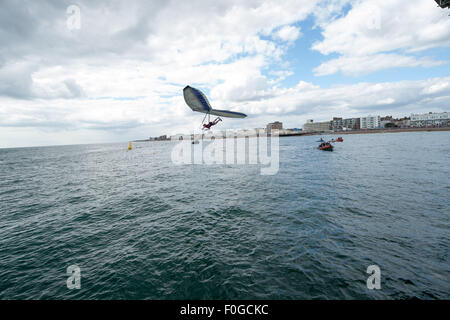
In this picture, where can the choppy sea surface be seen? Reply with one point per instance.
(140, 227)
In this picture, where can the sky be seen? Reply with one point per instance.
(110, 71)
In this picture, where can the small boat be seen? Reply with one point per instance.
(325, 146)
(339, 139)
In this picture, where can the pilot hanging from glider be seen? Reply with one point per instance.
(207, 126)
(198, 102)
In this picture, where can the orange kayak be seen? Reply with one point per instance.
(325, 146)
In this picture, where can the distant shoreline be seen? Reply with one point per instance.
(369, 131)
(364, 131)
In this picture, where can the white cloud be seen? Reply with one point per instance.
(386, 101)
(15, 80)
(369, 33)
(357, 65)
(378, 26)
(287, 33)
(440, 87)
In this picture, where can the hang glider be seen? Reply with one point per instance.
(198, 102)
(443, 3)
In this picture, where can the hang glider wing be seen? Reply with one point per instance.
(229, 114)
(198, 102)
(443, 3)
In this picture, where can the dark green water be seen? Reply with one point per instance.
(140, 227)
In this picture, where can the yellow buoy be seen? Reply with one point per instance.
(129, 146)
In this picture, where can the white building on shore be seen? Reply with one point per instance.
(176, 137)
(311, 126)
(370, 122)
(430, 119)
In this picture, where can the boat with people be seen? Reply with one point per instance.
(339, 139)
(325, 146)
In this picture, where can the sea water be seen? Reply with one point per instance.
(138, 226)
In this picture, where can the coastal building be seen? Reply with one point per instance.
(404, 122)
(176, 137)
(431, 119)
(220, 133)
(246, 133)
(386, 122)
(160, 138)
(311, 126)
(370, 122)
(256, 132)
(337, 124)
(351, 124)
(274, 125)
(260, 131)
(285, 132)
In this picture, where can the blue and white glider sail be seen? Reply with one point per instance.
(197, 101)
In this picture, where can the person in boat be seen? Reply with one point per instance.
(324, 145)
(207, 126)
